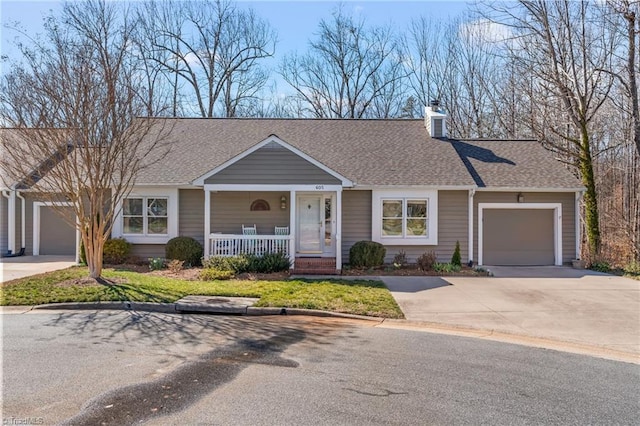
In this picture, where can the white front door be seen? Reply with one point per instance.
(310, 221)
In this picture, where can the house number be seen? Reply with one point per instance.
(319, 187)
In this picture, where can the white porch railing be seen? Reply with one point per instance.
(233, 245)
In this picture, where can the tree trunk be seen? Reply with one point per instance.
(630, 16)
(590, 198)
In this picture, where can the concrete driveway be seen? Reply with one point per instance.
(12, 268)
(558, 303)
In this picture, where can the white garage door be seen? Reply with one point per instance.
(518, 237)
(57, 235)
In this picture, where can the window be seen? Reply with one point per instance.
(145, 216)
(404, 218)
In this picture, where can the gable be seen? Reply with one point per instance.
(272, 164)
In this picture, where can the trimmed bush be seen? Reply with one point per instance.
(270, 262)
(115, 251)
(212, 274)
(367, 254)
(237, 264)
(184, 248)
(456, 258)
(427, 260)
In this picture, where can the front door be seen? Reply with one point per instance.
(310, 220)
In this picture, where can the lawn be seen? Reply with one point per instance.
(360, 297)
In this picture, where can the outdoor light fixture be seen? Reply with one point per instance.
(283, 202)
(520, 197)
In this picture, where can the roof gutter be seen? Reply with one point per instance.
(525, 189)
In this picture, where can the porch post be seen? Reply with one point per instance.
(339, 229)
(292, 227)
(207, 222)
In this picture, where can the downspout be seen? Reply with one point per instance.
(22, 223)
(472, 192)
(11, 221)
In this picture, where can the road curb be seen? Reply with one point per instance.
(429, 327)
(123, 306)
(540, 342)
(175, 308)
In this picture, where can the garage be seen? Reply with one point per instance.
(518, 236)
(57, 236)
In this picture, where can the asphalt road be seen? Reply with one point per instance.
(126, 367)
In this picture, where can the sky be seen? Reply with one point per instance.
(295, 21)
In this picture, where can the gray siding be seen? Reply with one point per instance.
(567, 199)
(191, 214)
(356, 219)
(272, 165)
(146, 251)
(453, 225)
(231, 210)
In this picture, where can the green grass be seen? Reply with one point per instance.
(359, 297)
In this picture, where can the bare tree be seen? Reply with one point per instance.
(210, 50)
(347, 70)
(561, 46)
(73, 106)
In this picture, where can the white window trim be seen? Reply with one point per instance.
(171, 194)
(557, 224)
(432, 217)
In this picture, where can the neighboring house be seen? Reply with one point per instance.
(29, 225)
(328, 183)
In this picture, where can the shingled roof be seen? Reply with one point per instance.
(513, 164)
(367, 152)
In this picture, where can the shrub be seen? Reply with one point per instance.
(211, 274)
(273, 262)
(184, 248)
(633, 268)
(115, 251)
(400, 259)
(237, 264)
(156, 263)
(601, 266)
(456, 259)
(176, 265)
(446, 267)
(366, 254)
(270, 262)
(427, 260)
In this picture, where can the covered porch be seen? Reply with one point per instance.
(301, 221)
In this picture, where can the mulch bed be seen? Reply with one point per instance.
(192, 274)
(411, 271)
